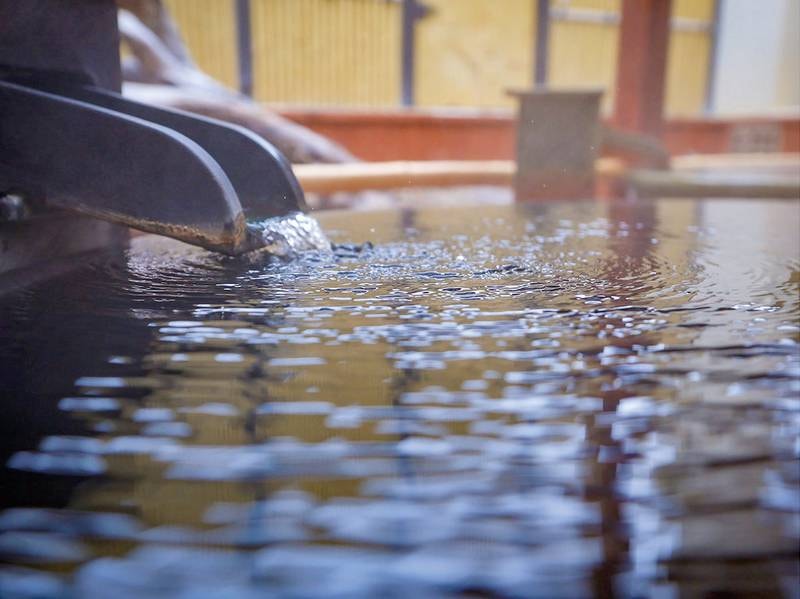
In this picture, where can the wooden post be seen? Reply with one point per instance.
(642, 66)
(558, 137)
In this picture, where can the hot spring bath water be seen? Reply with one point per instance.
(556, 400)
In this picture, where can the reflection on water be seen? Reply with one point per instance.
(533, 401)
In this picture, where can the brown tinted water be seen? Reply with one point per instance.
(558, 400)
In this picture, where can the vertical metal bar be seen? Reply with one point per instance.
(407, 49)
(713, 57)
(542, 42)
(244, 47)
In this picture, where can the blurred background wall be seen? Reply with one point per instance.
(468, 52)
(759, 56)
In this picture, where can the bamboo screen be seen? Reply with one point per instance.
(468, 52)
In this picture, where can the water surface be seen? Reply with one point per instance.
(558, 400)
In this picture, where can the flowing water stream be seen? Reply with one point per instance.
(288, 236)
(562, 400)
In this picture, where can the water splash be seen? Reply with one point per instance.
(289, 235)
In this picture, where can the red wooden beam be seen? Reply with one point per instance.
(642, 66)
(481, 135)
